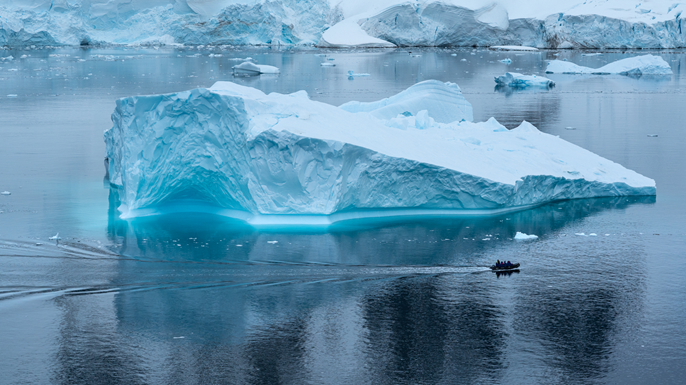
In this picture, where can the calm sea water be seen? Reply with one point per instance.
(200, 299)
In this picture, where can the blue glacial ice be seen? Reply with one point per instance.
(235, 151)
(346, 23)
(517, 80)
(639, 65)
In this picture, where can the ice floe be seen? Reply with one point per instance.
(517, 80)
(639, 65)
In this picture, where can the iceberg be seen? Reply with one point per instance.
(639, 65)
(250, 69)
(273, 158)
(517, 80)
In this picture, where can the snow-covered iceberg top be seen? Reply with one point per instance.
(639, 65)
(236, 151)
(517, 80)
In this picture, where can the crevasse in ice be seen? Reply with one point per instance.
(246, 154)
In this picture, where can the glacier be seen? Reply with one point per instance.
(274, 158)
(517, 80)
(639, 65)
(346, 23)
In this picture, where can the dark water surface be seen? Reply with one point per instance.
(201, 299)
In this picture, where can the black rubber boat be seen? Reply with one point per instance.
(514, 266)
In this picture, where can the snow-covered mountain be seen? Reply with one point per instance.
(341, 23)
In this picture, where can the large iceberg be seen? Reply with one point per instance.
(346, 23)
(236, 151)
(639, 65)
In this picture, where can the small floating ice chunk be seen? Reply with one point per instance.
(652, 135)
(506, 61)
(239, 245)
(517, 80)
(513, 48)
(592, 235)
(177, 338)
(6, 193)
(55, 237)
(570, 128)
(591, 54)
(327, 64)
(272, 242)
(581, 234)
(12, 95)
(453, 54)
(354, 74)
(248, 68)
(463, 59)
(524, 237)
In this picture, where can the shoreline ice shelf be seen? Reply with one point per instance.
(285, 159)
(346, 23)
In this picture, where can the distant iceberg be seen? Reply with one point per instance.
(517, 80)
(639, 65)
(248, 68)
(235, 151)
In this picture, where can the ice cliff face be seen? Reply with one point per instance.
(253, 155)
(287, 22)
(382, 23)
(453, 24)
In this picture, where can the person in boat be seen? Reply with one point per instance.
(508, 264)
(497, 263)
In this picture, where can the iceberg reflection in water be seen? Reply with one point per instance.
(372, 302)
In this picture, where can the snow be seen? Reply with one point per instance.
(282, 159)
(248, 68)
(639, 65)
(524, 237)
(513, 48)
(346, 23)
(444, 101)
(517, 80)
(348, 33)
